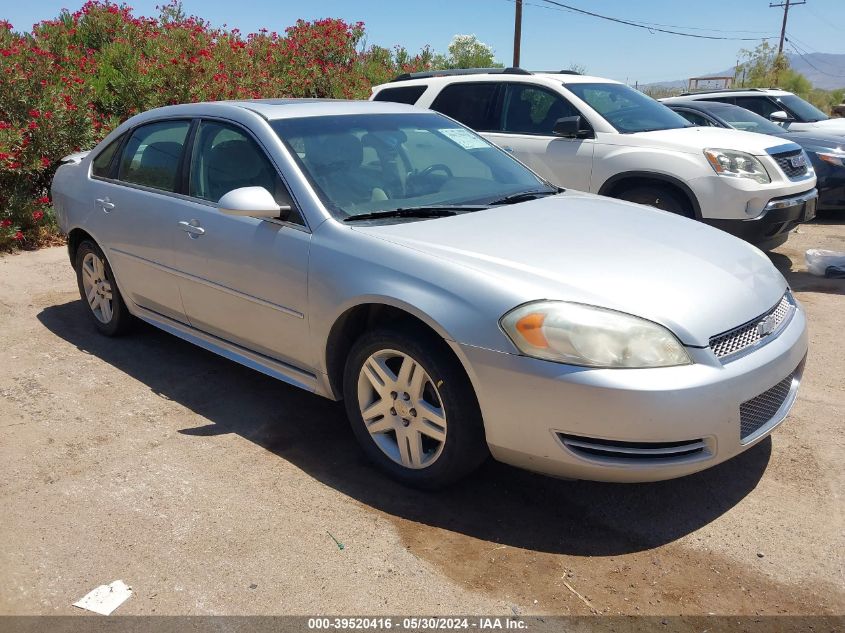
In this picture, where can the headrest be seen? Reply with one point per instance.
(334, 151)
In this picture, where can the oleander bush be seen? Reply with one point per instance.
(68, 82)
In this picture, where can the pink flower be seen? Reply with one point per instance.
(37, 215)
(18, 236)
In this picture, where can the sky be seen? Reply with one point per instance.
(552, 38)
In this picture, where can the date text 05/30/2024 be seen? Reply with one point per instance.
(417, 624)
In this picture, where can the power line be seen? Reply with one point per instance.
(794, 46)
(643, 22)
(652, 28)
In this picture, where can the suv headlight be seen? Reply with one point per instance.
(579, 334)
(734, 164)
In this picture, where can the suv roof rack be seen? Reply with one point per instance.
(426, 74)
(698, 92)
(556, 72)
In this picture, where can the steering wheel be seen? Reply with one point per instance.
(435, 167)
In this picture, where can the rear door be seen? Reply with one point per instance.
(137, 200)
(242, 279)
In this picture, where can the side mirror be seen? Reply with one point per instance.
(255, 202)
(571, 127)
(780, 116)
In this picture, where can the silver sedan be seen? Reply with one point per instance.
(459, 304)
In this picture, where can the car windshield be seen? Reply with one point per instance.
(742, 119)
(805, 111)
(371, 163)
(626, 109)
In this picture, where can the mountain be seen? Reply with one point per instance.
(824, 70)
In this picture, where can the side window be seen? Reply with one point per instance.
(101, 166)
(226, 158)
(761, 105)
(730, 100)
(533, 110)
(405, 94)
(695, 118)
(473, 104)
(152, 154)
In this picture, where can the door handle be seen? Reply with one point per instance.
(192, 227)
(105, 204)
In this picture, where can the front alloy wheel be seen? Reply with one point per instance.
(412, 408)
(402, 409)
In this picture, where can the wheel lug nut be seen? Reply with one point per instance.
(413, 413)
(406, 396)
(393, 395)
(406, 422)
(392, 411)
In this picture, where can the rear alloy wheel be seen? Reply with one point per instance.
(412, 409)
(662, 198)
(97, 288)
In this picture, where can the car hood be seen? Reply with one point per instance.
(693, 140)
(816, 139)
(828, 126)
(694, 279)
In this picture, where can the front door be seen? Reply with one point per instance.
(242, 279)
(529, 114)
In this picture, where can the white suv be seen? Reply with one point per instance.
(780, 106)
(604, 137)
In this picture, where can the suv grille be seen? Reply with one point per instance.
(784, 161)
(755, 413)
(755, 332)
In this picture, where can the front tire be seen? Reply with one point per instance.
(99, 291)
(412, 408)
(662, 198)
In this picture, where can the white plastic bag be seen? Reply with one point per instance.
(818, 260)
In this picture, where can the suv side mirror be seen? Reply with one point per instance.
(255, 202)
(779, 116)
(571, 127)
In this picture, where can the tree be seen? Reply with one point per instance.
(466, 51)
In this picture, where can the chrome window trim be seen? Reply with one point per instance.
(185, 197)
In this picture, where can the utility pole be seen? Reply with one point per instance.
(785, 4)
(517, 32)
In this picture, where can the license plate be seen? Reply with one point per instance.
(809, 210)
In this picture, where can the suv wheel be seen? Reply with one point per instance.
(99, 290)
(663, 198)
(413, 409)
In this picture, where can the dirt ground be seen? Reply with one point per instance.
(211, 489)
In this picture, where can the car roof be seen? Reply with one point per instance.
(697, 103)
(273, 109)
(498, 77)
(738, 92)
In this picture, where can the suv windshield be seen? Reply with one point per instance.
(742, 119)
(626, 109)
(803, 110)
(371, 163)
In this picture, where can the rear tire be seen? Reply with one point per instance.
(663, 198)
(99, 291)
(423, 424)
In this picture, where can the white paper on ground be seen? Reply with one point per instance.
(105, 598)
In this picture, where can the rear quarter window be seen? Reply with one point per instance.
(403, 94)
(473, 104)
(101, 166)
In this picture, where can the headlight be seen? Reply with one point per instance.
(832, 158)
(728, 162)
(579, 334)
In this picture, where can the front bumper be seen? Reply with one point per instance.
(772, 226)
(533, 409)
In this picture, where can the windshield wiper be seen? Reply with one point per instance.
(441, 211)
(524, 196)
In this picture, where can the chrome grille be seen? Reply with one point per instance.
(733, 341)
(632, 451)
(784, 161)
(755, 413)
